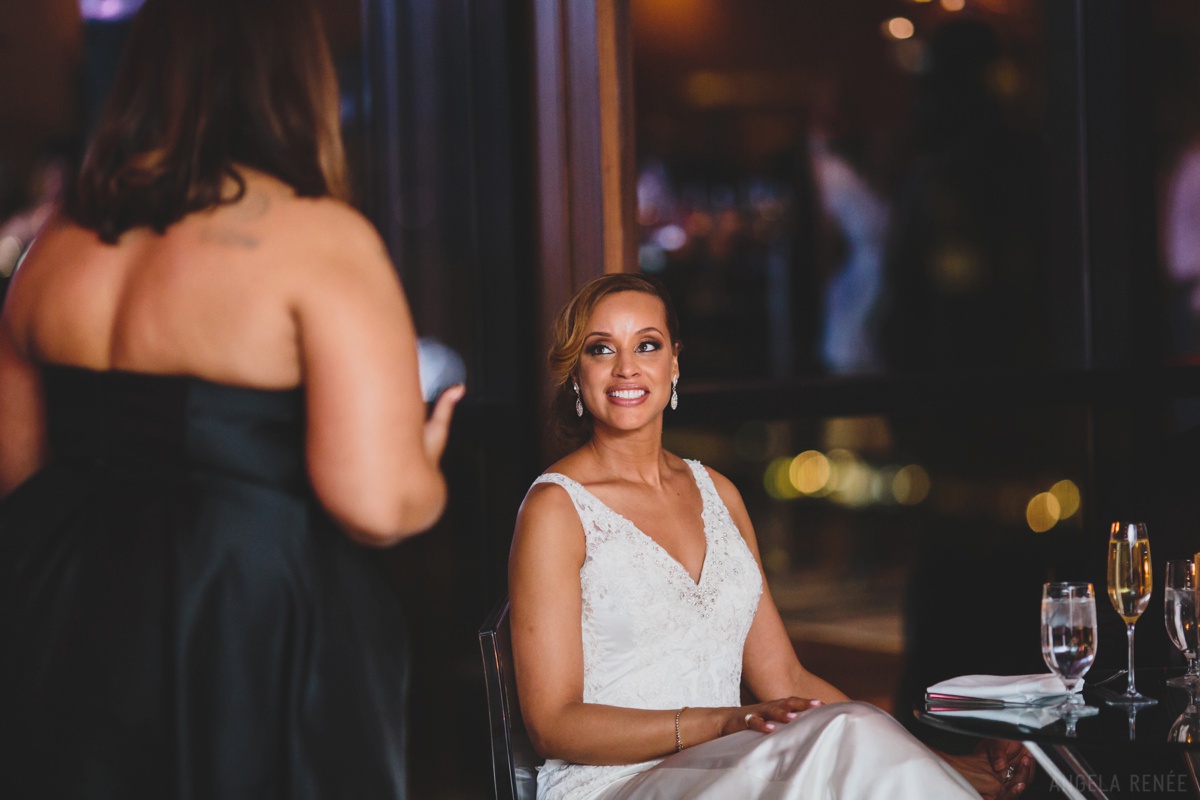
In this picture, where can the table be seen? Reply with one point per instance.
(1123, 729)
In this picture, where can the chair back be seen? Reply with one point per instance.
(514, 762)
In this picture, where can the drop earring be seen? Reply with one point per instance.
(674, 393)
(578, 399)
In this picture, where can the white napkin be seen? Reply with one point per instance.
(1010, 688)
(1025, 716)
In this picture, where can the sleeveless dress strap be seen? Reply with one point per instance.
(581, 498)
(708, 489)
(586, 502)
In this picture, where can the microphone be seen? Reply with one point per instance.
(439, 367)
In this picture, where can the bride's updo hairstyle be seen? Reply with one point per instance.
(571, 327)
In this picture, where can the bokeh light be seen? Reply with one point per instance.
(810, 473)
(777, 481)
(108, 10)
(1067, 495)
(671, 237)
(911, 485)
(1043, 512)
(852, 484)
(899, 28)
(954, 5)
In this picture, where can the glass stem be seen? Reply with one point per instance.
(1191, 659)
(1132, 690)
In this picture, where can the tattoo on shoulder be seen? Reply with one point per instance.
(229, 238)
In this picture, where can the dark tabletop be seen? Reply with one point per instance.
(1117, 727)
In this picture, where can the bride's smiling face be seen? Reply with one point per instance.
(628, 361)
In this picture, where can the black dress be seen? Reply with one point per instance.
(178, 615)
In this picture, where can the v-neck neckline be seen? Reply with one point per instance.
(704, 521)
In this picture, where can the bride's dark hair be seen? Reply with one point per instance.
(570, 329)
(203, 87)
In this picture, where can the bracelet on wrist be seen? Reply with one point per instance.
(678, 735)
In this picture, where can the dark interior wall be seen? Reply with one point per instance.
(446, 155)
(40, 53)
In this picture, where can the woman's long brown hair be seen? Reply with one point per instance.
(205, 86)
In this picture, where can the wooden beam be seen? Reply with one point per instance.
(584, 152)
(585, 158)
(617, 157)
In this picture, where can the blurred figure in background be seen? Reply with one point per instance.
(20, 228)
(964, 258)
(856, 205)
(209, 404)
(1178, 127)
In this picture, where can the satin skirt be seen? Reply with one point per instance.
(842, 751)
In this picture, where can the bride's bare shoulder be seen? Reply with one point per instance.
(547, 524)
(548, 500)
(545, 499)
(577, 465)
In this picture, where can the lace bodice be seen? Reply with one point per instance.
(652, 636)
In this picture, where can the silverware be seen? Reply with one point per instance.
(955, 702)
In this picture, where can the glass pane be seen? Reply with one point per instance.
(1176, 85)
(905, 550)
(846, 188)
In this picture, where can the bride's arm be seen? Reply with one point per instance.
(770, 666)
(547, 553)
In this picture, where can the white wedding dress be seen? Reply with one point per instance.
(654, 638)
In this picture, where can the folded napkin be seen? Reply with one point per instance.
(1024, 716)
(1008, 688)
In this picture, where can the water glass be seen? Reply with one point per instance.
(1069, 635)
(1179, 613)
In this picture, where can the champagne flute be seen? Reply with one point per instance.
(1179, 612)
(1069, 638)
(1129, 584)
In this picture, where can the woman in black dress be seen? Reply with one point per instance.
(209, 404)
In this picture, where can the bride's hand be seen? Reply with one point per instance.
(998, 770)
(766, 717)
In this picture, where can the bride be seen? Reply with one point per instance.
(640, 608)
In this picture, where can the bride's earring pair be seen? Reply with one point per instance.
(674, 393)
(578, 399)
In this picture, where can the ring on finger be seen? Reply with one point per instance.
(1008, 773)
(747, 719)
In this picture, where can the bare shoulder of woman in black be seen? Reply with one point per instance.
(209, 410)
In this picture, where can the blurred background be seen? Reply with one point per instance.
(937, 264)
